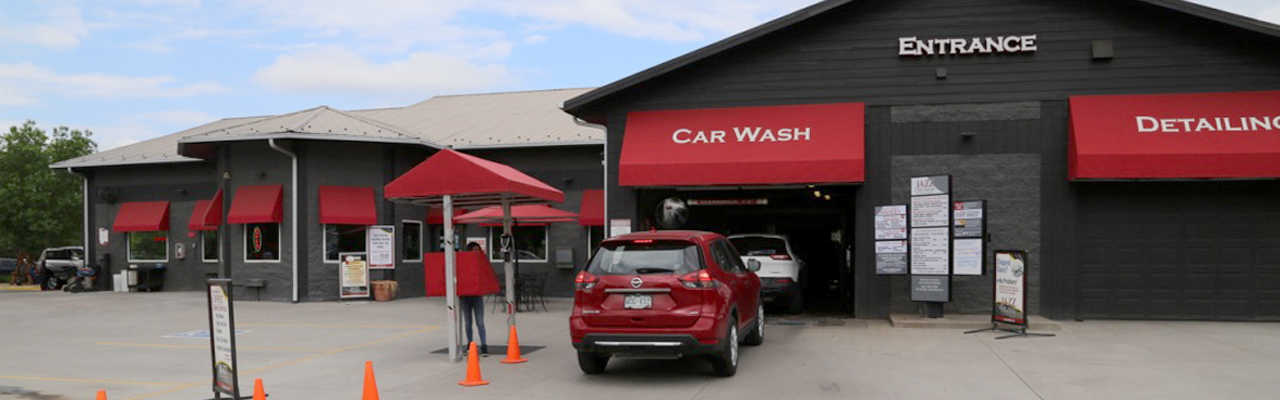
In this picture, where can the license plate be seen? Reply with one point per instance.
(638, 302)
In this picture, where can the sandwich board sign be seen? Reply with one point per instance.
(222, 339)
(1010, 295)
(353, 270)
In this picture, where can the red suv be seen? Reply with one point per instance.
(666, 294)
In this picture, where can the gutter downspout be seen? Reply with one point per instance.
(604, 162)
(84, 192)
(293, 189)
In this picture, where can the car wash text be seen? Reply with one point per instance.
(741, 135)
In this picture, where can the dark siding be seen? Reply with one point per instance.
(850, 54)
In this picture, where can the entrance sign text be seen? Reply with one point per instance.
(914, 47)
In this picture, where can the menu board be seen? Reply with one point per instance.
(930, 251)
(891, 222)
(970, 218)
(929, 211)
(969, 230)
(967, 256)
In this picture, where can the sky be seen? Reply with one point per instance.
(131, 70)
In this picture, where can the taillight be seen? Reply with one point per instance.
(642, 241)
(585, 281)
(784, 280)
(699, 280)
(780, 256)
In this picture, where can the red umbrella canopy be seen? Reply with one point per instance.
(472, 181)
(521, 214)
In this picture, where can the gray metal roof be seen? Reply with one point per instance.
(494, 120)
(320, 123)
(163, 149)
(578, 106)
(509, 119)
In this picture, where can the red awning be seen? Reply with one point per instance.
(592, 208)
(207, 214)
(801, 144)
(257, 204)
(526, 214)
(1175, 136)
(347, 205)
(142, 216)
(435, 215)
(470, 180)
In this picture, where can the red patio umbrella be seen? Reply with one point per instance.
(450, 178)
(526, 214)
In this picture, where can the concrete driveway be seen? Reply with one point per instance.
(67, 346)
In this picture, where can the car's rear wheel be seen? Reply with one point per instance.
(726, 363)
(592, 363)
(756, 337)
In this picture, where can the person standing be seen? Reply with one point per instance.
(473, 310)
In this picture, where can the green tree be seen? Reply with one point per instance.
(40, 207)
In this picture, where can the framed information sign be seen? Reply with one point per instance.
(222, 338)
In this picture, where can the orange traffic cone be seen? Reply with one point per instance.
(473, 368)
(102, 395)
(370, 385)
(513, 348)
(258, 392)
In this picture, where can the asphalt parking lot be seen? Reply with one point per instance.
(67, 346)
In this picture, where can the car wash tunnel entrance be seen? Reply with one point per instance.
(804, 228)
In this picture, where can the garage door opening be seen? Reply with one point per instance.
(814, 222)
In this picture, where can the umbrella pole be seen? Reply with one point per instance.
(507, 267)
(451, 282)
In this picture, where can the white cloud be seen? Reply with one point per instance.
(535, 39)
(672, 20)
(333, 70)
(21, 83)
(62, 29)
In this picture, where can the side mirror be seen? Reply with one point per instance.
(753, 265)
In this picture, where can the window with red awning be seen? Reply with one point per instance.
(142, 216)
(257, 204)
(347, 205)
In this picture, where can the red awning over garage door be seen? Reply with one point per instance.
(142, 216)
(821, 143)
(347, 205)
(1176, 136)
(257, 204)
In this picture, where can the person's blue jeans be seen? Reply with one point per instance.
(473, 309)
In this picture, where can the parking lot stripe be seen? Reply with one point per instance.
(206, 346)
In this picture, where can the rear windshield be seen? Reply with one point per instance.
(759, 246)
(626, 258)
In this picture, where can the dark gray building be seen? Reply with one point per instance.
(1131, 147)
(270, 201)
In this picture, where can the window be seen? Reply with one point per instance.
(210, 246)
(344, 239)
(759, 246)
(646, 259)
(411, 240)
(595, 235)
(150, 246)
(530, 243)
(262, 242)
(729, 262)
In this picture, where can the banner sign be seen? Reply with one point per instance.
(891, 223)
(382, 247)
(935, 289)
(222, 338)
(969, 230)
(1010, 287)
(353, 275)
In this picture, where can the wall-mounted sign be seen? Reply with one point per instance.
(967, 256)
(969, 232)
(222, 338)
(891, 223)
(728, 202)
(891, 257)
(930, 185)
(353, 273)
(930, 251)
(619, 227)
(916, 47)
(104, 237)
(1010, 287)
(935, 289)
(382, 247)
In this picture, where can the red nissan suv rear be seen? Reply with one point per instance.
(666, 294)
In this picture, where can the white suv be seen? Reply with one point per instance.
(782, 274)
